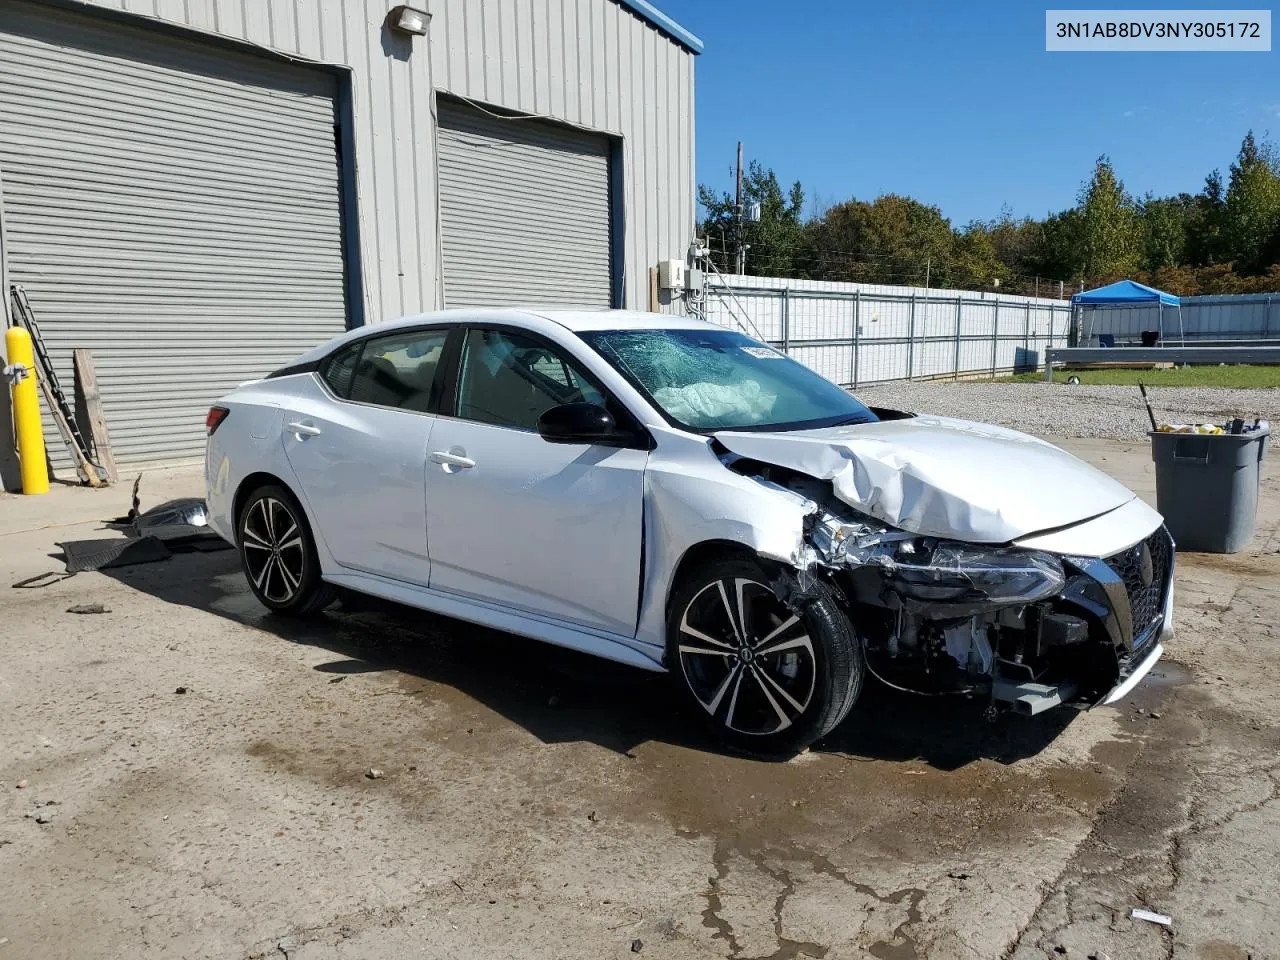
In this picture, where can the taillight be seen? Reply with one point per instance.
(215, 418)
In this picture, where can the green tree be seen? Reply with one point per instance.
(893, 239)
(1110, 234)
(976, 261)
(1164, 230)
(1017, 242)
(1224, 239)
(1204, 224)
(1252, 216)
(778, 241)
(1057, 254)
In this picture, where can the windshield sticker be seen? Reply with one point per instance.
(764, 353)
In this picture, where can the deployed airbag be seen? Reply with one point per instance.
(704, 402)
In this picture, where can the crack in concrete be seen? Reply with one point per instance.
(1062, 882)
(1190, 822)
(903, 946)
(711, 915)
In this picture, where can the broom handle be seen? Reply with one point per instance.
(1150, 415)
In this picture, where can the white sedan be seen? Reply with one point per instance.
(677, 496)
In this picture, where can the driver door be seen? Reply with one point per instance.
(547, 528)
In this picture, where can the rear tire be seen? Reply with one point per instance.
(278, 554)
(767, 678)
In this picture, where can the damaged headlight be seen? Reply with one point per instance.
(929, 570)
(944, 572)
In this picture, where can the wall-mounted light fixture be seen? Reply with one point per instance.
(408, 20)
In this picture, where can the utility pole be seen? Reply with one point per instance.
(740, 256)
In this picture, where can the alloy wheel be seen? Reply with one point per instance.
(274, 552)
(747, 658)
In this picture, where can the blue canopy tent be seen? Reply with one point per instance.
(1128, 293)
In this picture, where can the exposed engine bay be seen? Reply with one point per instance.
(1024, 629)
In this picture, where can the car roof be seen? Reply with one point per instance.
(580, 320)
(576, 320)
(533, 318)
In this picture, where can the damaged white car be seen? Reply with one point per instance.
(677, 496)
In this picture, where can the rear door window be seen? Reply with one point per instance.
(397, 371)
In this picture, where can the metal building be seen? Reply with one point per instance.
(198, 190)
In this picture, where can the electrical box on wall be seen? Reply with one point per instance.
(671, 275)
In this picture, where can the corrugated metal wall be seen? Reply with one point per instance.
(1253, 316)
(524, 211)
(856, 333)
(172, 208)
(588, 62)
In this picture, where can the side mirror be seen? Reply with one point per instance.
(577, 423)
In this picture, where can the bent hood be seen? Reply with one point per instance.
(940, 477)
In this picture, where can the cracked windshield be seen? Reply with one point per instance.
(723, 380)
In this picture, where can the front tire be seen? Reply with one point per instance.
(278, 554)
(768, 678)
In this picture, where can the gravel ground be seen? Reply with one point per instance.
(1057, 410)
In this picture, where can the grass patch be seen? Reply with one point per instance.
(1235, 376)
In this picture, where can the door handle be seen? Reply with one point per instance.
(451, 459)
(303, 430)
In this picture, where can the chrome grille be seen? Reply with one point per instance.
(1146, 597)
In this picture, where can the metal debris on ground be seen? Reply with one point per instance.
(184, 521)
(86, 608)
(85, 555)
(45, 579)
(1140, 914)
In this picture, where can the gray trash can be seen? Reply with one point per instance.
(1207, 487)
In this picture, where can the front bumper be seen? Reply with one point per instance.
(1139, 670)
(1131, 617)
(1140, 664)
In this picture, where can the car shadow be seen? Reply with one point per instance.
(561, 695)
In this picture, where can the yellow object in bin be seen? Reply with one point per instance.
(1205, 429)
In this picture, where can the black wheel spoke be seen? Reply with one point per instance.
(783, 720)
(777, 631)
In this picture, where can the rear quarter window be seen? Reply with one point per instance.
(339, 370)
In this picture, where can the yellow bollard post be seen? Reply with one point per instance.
(26, 412)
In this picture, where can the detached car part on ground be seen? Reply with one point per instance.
(674, 495)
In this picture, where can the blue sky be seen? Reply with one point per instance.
(958, 104)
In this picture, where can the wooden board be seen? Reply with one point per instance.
(87, 394)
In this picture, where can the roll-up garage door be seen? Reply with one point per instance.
(525, 212)
(170, 205)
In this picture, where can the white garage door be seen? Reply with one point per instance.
(173, 207)
(525, 212)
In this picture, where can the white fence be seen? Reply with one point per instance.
(856, 333)
(1236, 317)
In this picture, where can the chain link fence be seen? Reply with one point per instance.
(855, 333)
